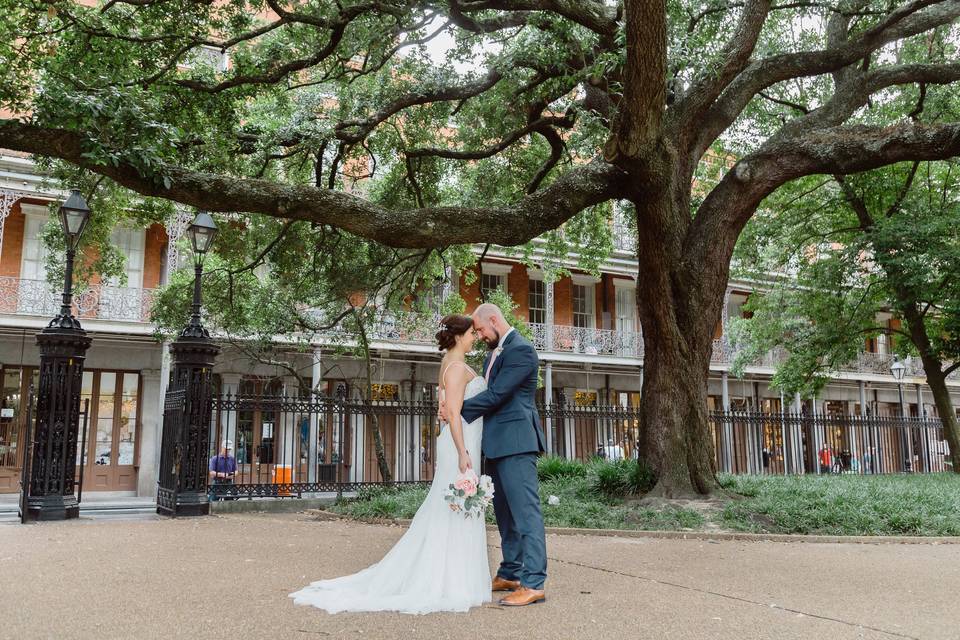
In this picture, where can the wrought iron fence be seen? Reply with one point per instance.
(284, 446)
(796, 443)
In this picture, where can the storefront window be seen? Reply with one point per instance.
(9, 413)
(130, 391)
(103, 447)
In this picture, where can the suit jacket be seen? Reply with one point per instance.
(511, 423)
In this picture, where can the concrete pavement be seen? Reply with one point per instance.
(229, 576)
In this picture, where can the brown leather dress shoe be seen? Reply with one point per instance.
(524, 596)
(502, 584)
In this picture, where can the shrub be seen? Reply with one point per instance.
(618, 478)
(554, 467)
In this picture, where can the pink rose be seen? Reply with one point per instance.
(466, 482)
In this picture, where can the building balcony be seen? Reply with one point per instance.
(20, 296)
(587, 341)
(865, 363)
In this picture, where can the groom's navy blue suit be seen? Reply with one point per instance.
(512, 439)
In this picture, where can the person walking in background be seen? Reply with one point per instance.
(826, 458)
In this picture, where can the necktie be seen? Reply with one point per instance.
(490, 364)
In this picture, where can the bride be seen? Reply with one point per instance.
(440, 563)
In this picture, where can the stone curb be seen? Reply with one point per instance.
(291, 505)
(713, 536)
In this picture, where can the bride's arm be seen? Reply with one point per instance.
(455, 384)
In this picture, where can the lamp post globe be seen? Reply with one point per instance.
(202, 232)
(74, 214)
(898, 369)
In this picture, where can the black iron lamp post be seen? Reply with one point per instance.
(182, 486)
(63, 345)
(898, 369)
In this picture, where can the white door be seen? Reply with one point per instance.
(35, 294)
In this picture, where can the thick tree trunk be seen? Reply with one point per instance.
(676, 433)
(384, 468)
(678, 310)
(941, 398)
(932, 365)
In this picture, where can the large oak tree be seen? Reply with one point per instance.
(543, 110)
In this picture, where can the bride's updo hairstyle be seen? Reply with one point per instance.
(452, 327)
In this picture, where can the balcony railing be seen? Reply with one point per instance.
(870, 363)
(586, 340)
(625, 237)
(131, 304)
(97, 301)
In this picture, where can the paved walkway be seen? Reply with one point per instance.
(229, 576)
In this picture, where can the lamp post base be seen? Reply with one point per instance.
(53, 507)
(185, 504)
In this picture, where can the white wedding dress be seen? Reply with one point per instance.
(440, 563)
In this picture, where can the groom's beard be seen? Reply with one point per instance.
(493, 344)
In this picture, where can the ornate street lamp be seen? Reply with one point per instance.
(182, 486)
(202, 232)
(898, 369)
(63, 345)
(74, 214)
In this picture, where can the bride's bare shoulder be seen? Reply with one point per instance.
(456, 375)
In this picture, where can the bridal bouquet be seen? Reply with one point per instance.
(469, 494)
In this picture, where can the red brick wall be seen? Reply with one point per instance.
(154, 246)
(563, 302)
(12, 243)
(471, 293)
(518, 283)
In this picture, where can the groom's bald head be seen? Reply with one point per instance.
(488, 321)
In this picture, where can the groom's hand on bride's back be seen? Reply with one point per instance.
(442, 412)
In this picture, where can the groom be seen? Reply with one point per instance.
(512, 439)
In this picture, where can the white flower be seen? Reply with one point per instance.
(554, 500)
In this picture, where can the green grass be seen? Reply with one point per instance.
(382, 502)
(921, 505)
(593, 495)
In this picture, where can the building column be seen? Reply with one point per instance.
(316, 381)
(924, 446)
(570, 441)
(725, 314)
(819, 433)
(795, 455)
(548, 403)
(150, 427)
(727, 433)
(416, 428)
(548, 313)
(359, 443)
(287, 435)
